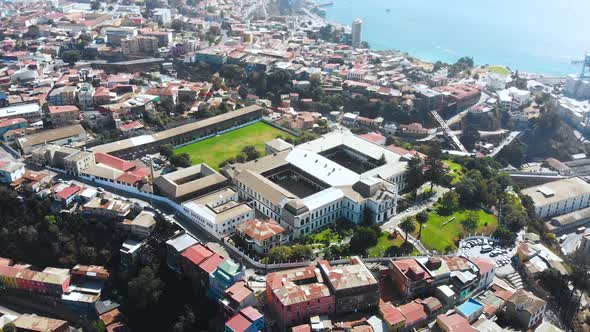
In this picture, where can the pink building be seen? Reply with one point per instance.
(297, 294)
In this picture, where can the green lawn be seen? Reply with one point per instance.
(437, 237)
(455, 170)
(387, 246)
(499, 70)
(214, 150)
(325, 236)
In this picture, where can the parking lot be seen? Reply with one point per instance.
(484, 248)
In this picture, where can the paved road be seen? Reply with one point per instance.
(507, 141)
(394, 221)
(459, 116)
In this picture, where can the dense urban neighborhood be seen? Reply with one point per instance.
(216, 165)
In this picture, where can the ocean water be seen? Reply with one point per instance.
(541, 36)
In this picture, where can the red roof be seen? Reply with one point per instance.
(301, 328)
(261, 230)
(211, 263)
(411, 269)
(129, 178)
(238, 291)
(402, 151)
(238, 323)
(197, 254)
(373, 137)
(62, 109)
(102, 91)
(391, 314)
(414, 312)
(251, 313)
(134, 176)
(454, 323)
(131, 125)
(68, 192)
(113, 162)
(484, 265)
(11, 122)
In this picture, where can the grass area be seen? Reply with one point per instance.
(390, 246)
(499, 70)
(455, 170)
(325, 236)
(214, 150)
(437, 237)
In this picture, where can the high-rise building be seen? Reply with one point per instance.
(357, 27)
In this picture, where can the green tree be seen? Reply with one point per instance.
(177, 25)
(434, 171)
(94, 5)
(470, 223)
(145, 289)
(512, 154)
(280, 254)
(33, 31)
(363, 238)
(408, 225)
(250, 152)
(551, 280)
(181, 160)
(167, 150)
(71, 56)
(450, 201)
(299, 252)
(470, 137)
(9, 328)
(233, 73)
(504, 235)
(415, 174)
(421, 218)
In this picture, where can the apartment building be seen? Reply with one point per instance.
(63, 115)
(559, 197)
(139, 45)
(525, 309)
(295, 295)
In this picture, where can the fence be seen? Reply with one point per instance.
(274, 124)
(233, 249)
(303, 263)
(218, 133)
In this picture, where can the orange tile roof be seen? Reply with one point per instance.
(261, 230)
(113, 161)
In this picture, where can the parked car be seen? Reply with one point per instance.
(486, 248)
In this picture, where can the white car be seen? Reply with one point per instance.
(260, 278)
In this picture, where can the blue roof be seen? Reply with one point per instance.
(469, 307)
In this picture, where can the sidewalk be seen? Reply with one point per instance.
(394, 221)
(415, 242)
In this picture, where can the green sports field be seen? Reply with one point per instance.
(214, 150)
(499, 70)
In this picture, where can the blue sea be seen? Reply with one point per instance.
(541, 36)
